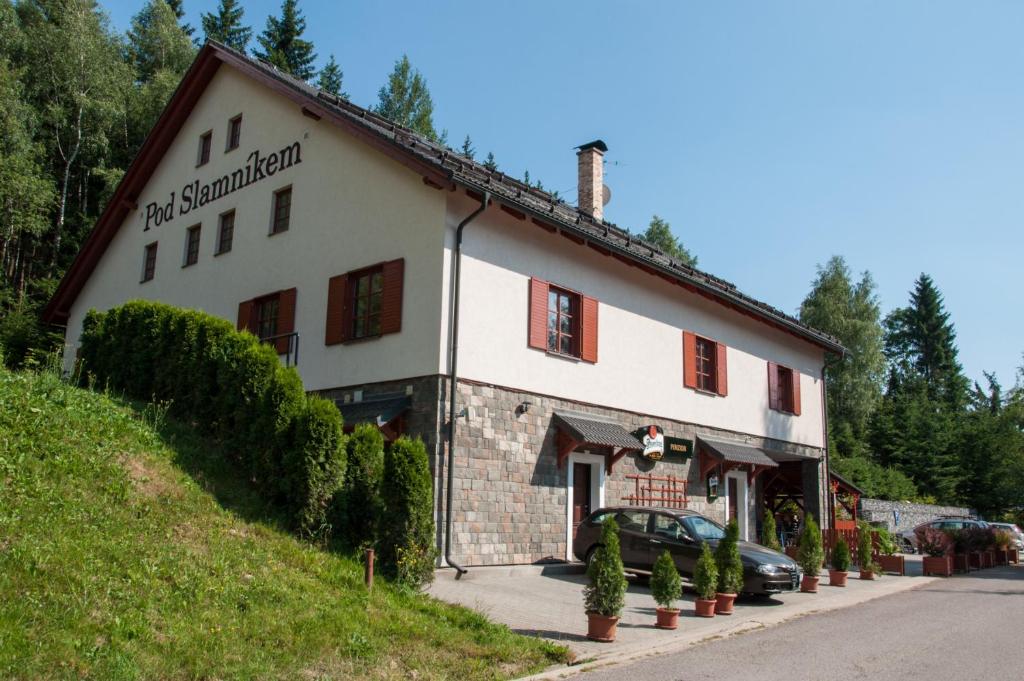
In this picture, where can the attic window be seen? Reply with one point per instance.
(234, 132)
(205, 142)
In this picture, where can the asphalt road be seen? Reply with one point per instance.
(964, 628)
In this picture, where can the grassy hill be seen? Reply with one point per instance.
(128, 551)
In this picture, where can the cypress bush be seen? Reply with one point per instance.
(665, 582)
(407, 548)
(810, 556)
(358, 508)
(770, 533)
(728, 561)
(841, 556)
(705, 574)
(606, 593)
(865, 549)
(228, 385)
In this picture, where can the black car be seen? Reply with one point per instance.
(645, 532)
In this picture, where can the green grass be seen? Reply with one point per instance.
(129, 550)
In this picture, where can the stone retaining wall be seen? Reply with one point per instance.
(910, 515)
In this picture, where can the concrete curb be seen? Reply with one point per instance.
(885, 587)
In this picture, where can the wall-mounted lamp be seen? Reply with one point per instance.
(463, 413)
(523, 407)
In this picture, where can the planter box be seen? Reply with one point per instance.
(990, 558)
(1014, 556)
(791, 551)
(892, 564)
(938, 565)
(962, 562)
(976, 560)
(1002, 557)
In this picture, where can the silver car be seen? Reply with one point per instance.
(1018, 536)
(908, 538)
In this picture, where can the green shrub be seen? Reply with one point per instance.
(357, 508)
(841, 556)
(407, 549)
(886, 544)
(705, 574)
(728, 562)
(665, 582)
(606, 592)
(810, 556)
(865, 549)
(770, 533)
(227, 384)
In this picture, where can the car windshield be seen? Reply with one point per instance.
(702, 528)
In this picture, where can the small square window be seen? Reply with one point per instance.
(282, 210)
(192, 245)
(707, 365)
(205, 142)
(149, 262)
(225, 232)
(234, 132)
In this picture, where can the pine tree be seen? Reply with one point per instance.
(659, 233)
(468, 150)
(156, 42)
(282, 44)
(490, 163)
(226, 25)
(526, 178)
(851, 313)
(406, 100)
(330, 79)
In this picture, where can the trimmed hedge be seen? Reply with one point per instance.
(229, 385)
(407, 548)
(358, 507)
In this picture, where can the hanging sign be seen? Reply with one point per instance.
(653, 440)
(712, 487)
(678, 447)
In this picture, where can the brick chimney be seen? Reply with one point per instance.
(591, 178)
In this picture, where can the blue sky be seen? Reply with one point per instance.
(770, 135)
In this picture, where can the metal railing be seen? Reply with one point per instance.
(293, 346)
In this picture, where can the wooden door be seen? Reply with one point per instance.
(580, 494)
(734, 502)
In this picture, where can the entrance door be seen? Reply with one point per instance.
(736, 500)
(581, 500)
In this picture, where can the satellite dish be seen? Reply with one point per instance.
(606, 195)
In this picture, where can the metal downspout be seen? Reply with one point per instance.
(830, 506)
(452, 394)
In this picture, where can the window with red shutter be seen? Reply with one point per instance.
(365, 303)
(705, 364)
(271, 318)
(562, 321)
(783, 389)
(538, 314)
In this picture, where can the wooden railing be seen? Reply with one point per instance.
(666, 491)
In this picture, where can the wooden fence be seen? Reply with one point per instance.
(666, 491)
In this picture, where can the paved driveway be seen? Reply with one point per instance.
(548, 602)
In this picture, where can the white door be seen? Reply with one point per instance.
(736, 503)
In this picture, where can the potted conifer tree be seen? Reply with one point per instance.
(810, 556)
(605, 595)
(770, 533)
(840, 563)
(865, 551)
(705, 581)
(730, 569)
(666, 587)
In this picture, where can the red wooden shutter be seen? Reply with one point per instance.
(722, 380)
(796, 392)
(285, 319)
(538, 316)
(689, 360)
(337, 292)
(588, 326)
(773, 385)
(244, 315)
(391, 297)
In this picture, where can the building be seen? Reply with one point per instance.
(591, 368)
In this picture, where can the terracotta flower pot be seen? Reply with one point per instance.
(668, 618)
(892, 564)
(705, 608)
(809, 584)
(723, 603)
(601, 628)
(837, 577)
(867, 574)
(938, 565)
